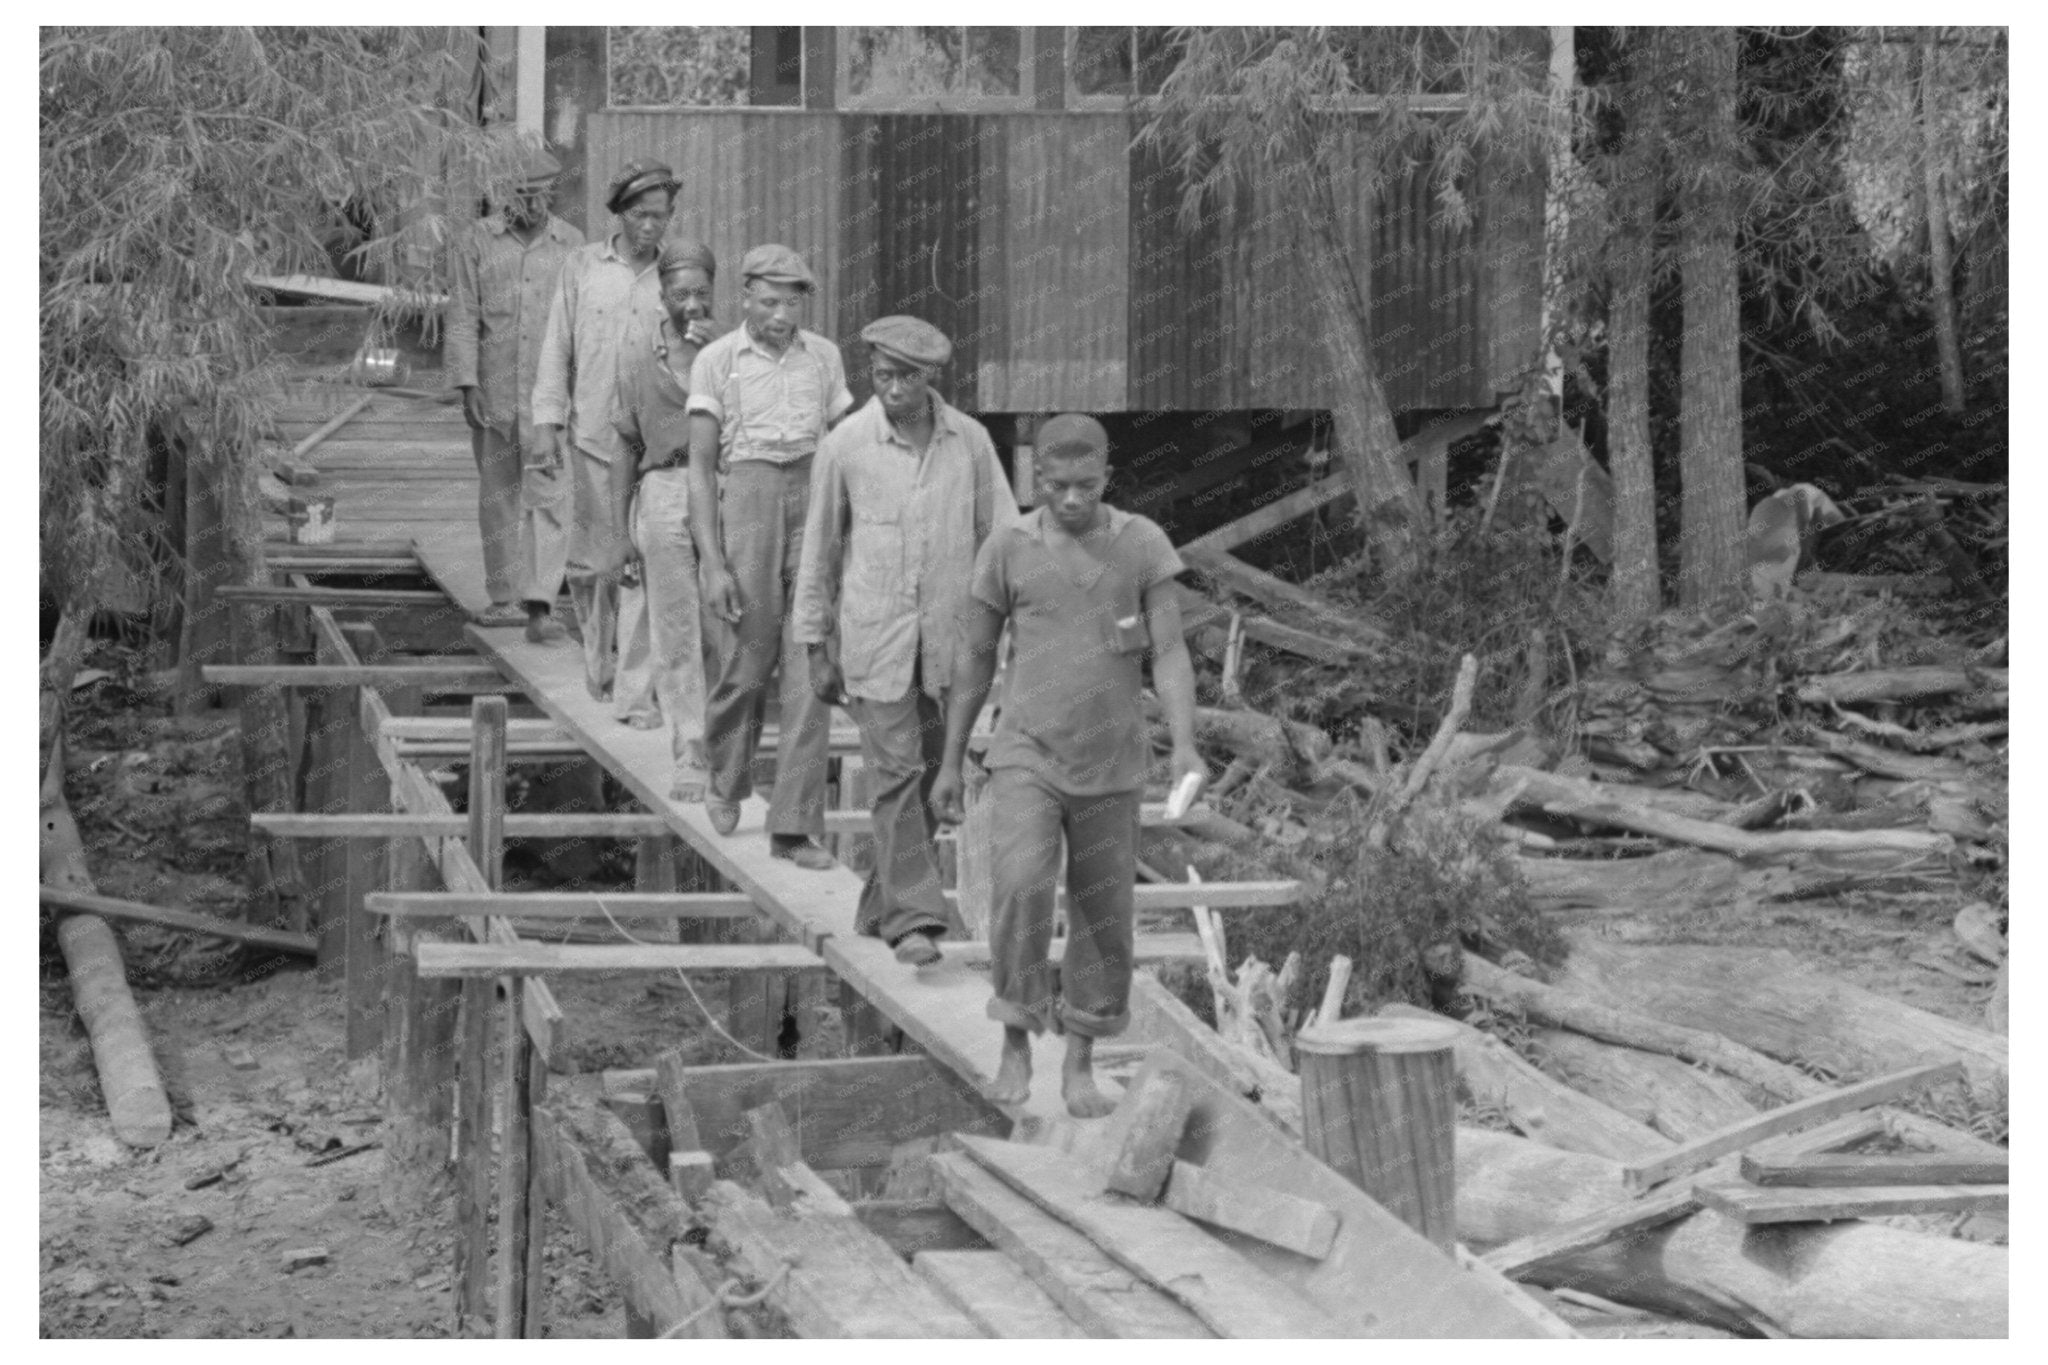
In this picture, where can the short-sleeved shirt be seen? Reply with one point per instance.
(652, 411)
(1071, 709)
(769, 407)
(890, 542)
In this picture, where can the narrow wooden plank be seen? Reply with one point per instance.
(1214, 895)
(828, 1275)
(1100, 1295)
(330, 731)
(914, 1225)
(1285, 1220)
(846, 1113)
(990, 1288)
(477, 677)
(1151, 815)
(1756, 1204)
(334, 597)
(563, 904)
(1908, 1169)
(473, 1158)
(532, 959)
(1594, 1230)
(1225, 1290)
(114, 908)
(395, 824)
(1146, 948)
(1693, 1155)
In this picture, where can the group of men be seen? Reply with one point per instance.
(726, 520)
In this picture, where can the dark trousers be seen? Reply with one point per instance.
(1091, 987)
(901, 743)
(761, 510)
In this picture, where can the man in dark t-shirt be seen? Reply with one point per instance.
(1087, 592)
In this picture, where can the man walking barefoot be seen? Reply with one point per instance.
(1087, 592)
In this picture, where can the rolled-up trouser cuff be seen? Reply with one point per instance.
(1011, 1015)
(1093, 1025)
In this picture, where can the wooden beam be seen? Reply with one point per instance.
(991, 1289)
(1225, 1290)
(457, 728)
(1756, 1204)
(1915, 1168)
(1103, 1297)
(394, 824)
(848, 1112)
(605, 1190)
(1214, 895)
(114, 908)
(1286, 1220)
(366, 787)
(335, 597)
(1149, 948)
(1693, 1155)
(1159, 1111)
(1594, 1230)
(365, 564)
(562, 904)
(452, 677)
(1151, 815)
(535, 959)
(1240, 577)
(827, 1275)
(791, 1185)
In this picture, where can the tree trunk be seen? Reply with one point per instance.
(1633, 588)
(1940, 256)
(1389, 506)
(1847, 1279)
(1710, 544)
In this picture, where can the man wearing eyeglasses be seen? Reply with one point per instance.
(761, 398)
(904, 493)
(609, 294)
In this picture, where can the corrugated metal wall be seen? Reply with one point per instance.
(1053, 253)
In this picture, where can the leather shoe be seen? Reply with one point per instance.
(724, 815)
(806, 855)
(917, 949)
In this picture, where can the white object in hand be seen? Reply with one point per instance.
(1183, 796)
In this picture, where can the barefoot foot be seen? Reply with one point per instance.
(1077, 1080)
(1013, 1077)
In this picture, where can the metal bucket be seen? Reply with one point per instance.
(310, 520)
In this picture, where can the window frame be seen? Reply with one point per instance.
(803, 64)
(1023, 101)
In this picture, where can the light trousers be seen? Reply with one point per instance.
(661, 642)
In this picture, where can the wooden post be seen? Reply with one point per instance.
(367, 789)
(419, 1058)
(654, 865)
(473, 1178)
(514, 1172)
(1379, 1105)
(330, 718)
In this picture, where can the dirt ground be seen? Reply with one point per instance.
(145, 1244)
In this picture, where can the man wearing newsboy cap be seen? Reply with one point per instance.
(608, 295)
(761, 398)
(505, 271)
(905, 491)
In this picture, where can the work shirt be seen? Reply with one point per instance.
(601, 304)
(652, 410)
(1071, 712)
(891, 538)
(769, 407)
(498, 313)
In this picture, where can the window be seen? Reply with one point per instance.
(1114, 65)
(703, 67)
(902, 67)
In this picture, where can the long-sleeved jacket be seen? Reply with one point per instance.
(890, 541)
(602, 303)
(498, 312)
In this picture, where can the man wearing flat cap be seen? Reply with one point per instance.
(661, 649)
(761, 397)
(505, 272)
(905, 491)
(609, 294)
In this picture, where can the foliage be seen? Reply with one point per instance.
(1386, 909)
(648, 64)
(175, 162)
